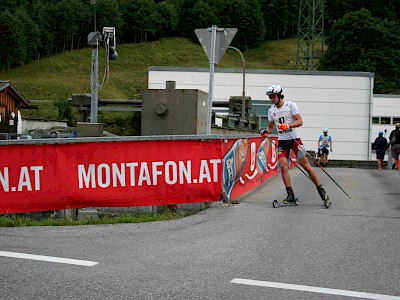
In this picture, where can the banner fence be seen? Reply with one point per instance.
(56, 176)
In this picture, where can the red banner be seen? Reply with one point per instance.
(247, 164)
(109, 174)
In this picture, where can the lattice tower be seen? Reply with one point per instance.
(310, 34)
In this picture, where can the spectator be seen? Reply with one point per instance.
(380, 145)
(394, 139)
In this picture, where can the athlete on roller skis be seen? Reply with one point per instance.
(286, 116)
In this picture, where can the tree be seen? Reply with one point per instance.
(29, 32)
(169, 18)
(185, 18)
(336, 9)
(70, 15)
(280, 18)
(361, 42)
(108, 14)
(140, 20)
(40, 14)
(246, 16)
(9, 51)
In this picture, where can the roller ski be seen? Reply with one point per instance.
(290, 200)
(283, 203)
(324, 196)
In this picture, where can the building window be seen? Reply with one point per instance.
(385, 120)
(396, 120)
(375, 120)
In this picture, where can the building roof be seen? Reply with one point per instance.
(17, 96)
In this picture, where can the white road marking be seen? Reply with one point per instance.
(313, 289)
(60, 260)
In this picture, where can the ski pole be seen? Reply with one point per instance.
(290, 160)
(309, 155)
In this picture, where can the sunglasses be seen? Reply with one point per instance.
(272, 96)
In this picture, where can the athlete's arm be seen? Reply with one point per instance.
(271, 125)
(298, 121)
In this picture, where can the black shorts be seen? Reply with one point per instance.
(284, 147)
(380, 154)
(325, 151)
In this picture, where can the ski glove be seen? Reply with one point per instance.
(263, 133)
(283, 127)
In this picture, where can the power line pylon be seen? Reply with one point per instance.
(310, 34)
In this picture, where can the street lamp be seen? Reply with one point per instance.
(244, 82)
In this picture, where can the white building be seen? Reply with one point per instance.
(340, 101)
(385, 114)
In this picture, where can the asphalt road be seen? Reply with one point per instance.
(352, 246)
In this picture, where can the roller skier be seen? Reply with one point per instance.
(286, 117)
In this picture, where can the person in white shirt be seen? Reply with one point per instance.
(286, 117)
(324, 143)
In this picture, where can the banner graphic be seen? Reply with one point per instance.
(247, 163)
(104, 174)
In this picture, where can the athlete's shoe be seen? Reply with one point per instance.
(289, 197)
(324, 196)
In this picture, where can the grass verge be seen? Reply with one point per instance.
(24, 220)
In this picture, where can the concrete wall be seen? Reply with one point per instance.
(40, 124)
(340, 101)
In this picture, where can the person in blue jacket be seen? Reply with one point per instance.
(380, 146)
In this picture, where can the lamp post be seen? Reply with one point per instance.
(244, 84)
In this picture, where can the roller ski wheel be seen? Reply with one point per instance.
(327, 202)
(276, 203)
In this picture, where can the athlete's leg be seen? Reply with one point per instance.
(283, 156)
(283, 161)
(314, 177)
(325, 154)
(310, 170)
(301, 155)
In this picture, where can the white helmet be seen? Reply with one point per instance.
(325, 130)
(274, 89)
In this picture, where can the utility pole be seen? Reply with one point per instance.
(310, 34)
(94, 40)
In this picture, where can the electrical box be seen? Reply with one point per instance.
(84, 129)
(81, 100)
(174, 112)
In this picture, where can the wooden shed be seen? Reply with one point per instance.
(11, 101)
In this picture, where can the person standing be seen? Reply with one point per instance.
(286, 117)
(380, 145)
(394, 139)
(324, 143)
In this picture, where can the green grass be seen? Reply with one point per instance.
(59, 76)
(23, 220)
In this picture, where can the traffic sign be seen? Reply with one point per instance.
(224, 37)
